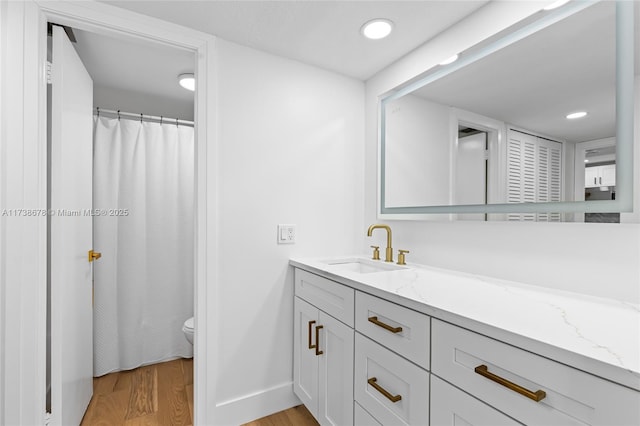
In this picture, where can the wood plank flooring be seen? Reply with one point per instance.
(162, 395)
(154, 395)
(295, 416)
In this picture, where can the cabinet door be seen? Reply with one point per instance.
(305, 360)
(335, 383)
(393, 390)
(452, 407)
(591, 175)
(608, 175)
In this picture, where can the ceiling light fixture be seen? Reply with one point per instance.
(555, 4)
(449, 60)
(187, 81)
(377, 28)
(575, 115)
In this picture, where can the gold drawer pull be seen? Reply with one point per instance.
(317, 346)
(379, 323)
(537, 396)
(310, 345)
(392, 398)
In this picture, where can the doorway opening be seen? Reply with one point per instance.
(595, 177)
(157, 113)
(472, 170)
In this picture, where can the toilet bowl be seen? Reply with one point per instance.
(187, 329)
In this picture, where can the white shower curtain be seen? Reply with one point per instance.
(143, 225)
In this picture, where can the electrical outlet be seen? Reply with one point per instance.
(286, 234)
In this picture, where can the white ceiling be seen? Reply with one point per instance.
(326, 33)
(323, 33)
(135, 67)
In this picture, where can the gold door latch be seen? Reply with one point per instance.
(93, 255)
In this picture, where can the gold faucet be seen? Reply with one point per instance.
(389, 252)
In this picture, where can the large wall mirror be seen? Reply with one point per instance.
(490, 136)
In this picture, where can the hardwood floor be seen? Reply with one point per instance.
(158, 394)
(295, 416)
(162, 395)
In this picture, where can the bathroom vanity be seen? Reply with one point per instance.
(377, 343)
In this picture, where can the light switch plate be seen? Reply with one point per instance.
(286, 234)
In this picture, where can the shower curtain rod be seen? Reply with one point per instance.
(142, 117)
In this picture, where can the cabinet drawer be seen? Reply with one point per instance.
(572, 397)
(451, 407)
(410, 337)
(335, 299)
(362, 418)
(401, 381)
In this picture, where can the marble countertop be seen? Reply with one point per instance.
(596, 335)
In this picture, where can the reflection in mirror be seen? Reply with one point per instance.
(496, 131)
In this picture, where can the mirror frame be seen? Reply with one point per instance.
(624, 122)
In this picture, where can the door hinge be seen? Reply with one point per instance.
(49, 66)
(486, 154)
(47, 418)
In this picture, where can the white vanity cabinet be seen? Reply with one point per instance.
(527, 387)
(364, 358)
(391, 361)
(323, 348)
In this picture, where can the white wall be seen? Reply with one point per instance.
(417, 153)
(597, 259)
(290, 148)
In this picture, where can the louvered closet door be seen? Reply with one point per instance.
(534, 174)
(521, 173)
(549, 155)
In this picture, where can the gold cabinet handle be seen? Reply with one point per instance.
(310, 345)
(93, 255)
(393, 398)
(537, 396)
(317, 345)
(387, 327)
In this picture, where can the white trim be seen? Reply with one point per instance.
(578, 168)
(255, 405)
(496, 132)
(23, 156)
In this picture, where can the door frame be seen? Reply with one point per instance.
(581, 149)
(496, 172)
(23, 253)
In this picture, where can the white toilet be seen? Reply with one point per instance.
(187, 329)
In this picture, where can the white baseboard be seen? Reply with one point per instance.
(254, 406)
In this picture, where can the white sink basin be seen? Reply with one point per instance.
(362, 266)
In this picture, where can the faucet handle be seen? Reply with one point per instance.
(401, 259)
(376, 252)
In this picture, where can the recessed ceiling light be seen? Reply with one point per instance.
(449, 60)
(575, 115)
(555, 4)
(187, 81)
(377, 28)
